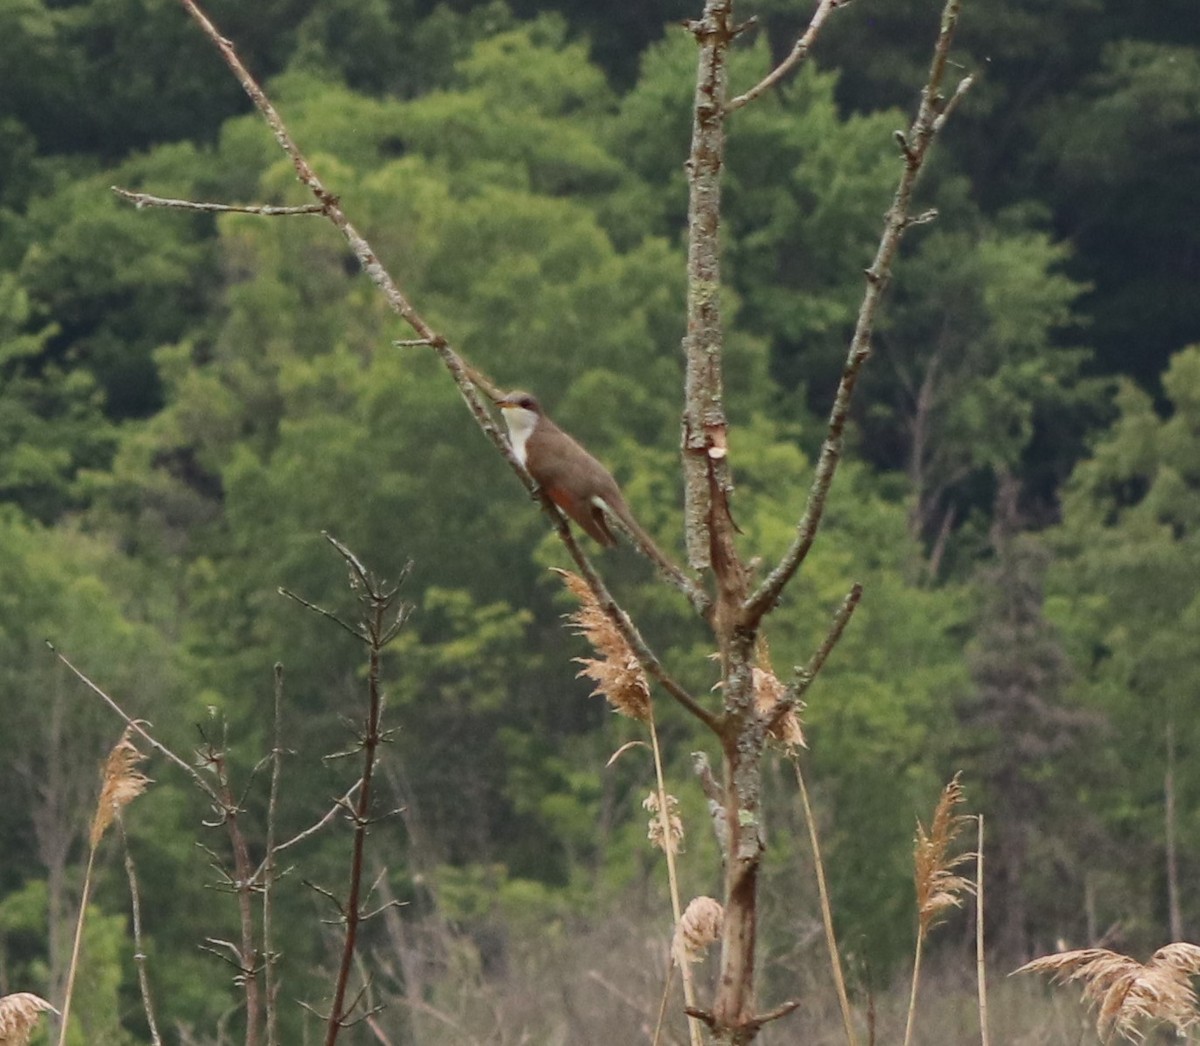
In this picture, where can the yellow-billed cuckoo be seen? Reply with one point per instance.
(574, 480)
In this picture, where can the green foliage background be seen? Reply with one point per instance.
(187, 402)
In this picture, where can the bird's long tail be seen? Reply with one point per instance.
(645, 543)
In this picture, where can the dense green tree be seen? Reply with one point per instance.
(618, 32)
(804, 193)
(97, 1013)
(383, 47)
(1119, 150)
(106, 77)
(1124, 591)
(51, 423)
(107, 284)
(968, 370)
(75, 590)
(1023, 742)
(1088, 106)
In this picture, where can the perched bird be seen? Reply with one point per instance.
(574, 480)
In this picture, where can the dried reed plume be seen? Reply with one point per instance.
(1125, 992)
(699, 927)
(772, 701)
(939, 887)
(655, 831)
(784, 723)
(19, 1016)
(122, 783)
(620, 678)
(616, 671)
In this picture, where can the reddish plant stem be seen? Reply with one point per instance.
(267, 868)
(244, 887)
(352, 910)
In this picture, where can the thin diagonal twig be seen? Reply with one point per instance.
(798, 53)
(313, 828)
(138, 726)
(806, 674)
(142, 199)
(139, 947)
(915, 146)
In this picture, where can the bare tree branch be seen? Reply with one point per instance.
(328, 614)
(242, 885)
(806, 674)
(139, 946)
(312, 829)
(375, 626)
(708, 528)
(798, 54)
(270, 983)
(915, 147)
(139, 727)
(716, 801)
(141, 199)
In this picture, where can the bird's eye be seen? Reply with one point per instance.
(527, 402)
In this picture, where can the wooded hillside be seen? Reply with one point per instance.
(189, 400)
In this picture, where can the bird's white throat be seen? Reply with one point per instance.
(520, 424)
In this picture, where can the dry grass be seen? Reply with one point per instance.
(122, 783)
(699, 927)
(1022, 1011)
(771, 700)
(615, 671)
(664, 831)
(597, 981)
(19, 1015)
(620, 678)
(1129, 995)
(784, 725)
(939, 887)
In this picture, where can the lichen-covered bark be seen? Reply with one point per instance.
(710, 530)
(704, 424)
(734, 1005)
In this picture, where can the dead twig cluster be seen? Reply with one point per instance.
(251, 955)
(382, 619)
